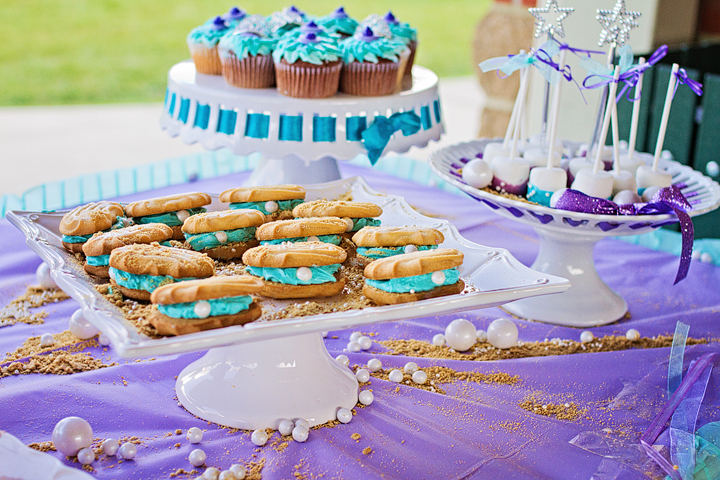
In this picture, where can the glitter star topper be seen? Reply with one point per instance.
(616, 24)
(544, 26)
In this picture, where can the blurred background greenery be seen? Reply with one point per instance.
(111, 51)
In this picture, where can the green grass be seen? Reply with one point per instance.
(109, 51)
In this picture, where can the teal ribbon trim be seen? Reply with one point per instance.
(377, 135)
(290, 128)
(425, 117)
(257, 125)
(226, 121)
(171, 110)
(436, 108)
(324, 129)
(202, 116)
(354, 126)
(184, 109)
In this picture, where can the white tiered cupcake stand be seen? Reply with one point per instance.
(567, 239)
(301, 140)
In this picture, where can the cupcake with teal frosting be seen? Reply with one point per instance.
(405, 33)
(371, 64)
(286, 20)
(246, 54)
(308, 66)
(234, 16)
(339, 22)
(311, 27)
(203, 41)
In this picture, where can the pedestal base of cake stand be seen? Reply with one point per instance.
(256, 385)
(294, 170)
(588, 302)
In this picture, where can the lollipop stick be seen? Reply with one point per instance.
(635, 113)
(615, 137)
(554, 114)
(523, 91)
(665, 116)
(513, 117)
(612, 89)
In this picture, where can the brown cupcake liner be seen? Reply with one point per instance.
(250, 72)
(307, 80)
(413, 48)
(369, 79)
(206, 60)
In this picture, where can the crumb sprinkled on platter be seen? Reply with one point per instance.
(18, 311)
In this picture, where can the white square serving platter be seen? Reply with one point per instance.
(495, 275)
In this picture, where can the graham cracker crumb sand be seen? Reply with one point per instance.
(367, 451)
(43, 446)
(31, 346)
(182, 471)
(566, 411)
(18, 311)
(135, 312)
(254, 470)
(356, 437)
(444, 375)
(510, 196)
(59, 362)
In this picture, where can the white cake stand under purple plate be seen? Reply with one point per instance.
(567, 239)
(255, 375)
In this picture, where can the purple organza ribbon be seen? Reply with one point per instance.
(666, 200)
(575, 51)
(682, 77)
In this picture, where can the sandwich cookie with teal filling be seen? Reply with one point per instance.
(171, 210)
(137, 270)
(355, 214)
(410, 277)
(373, 243)
(320, 229)
(223, 235)
(81, 223)
(276, 202)
(198, 305)
(297, 270)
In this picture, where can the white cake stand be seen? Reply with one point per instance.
(300, 139)
(567, 239)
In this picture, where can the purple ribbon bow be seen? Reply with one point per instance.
(682, 77)
(666, 200)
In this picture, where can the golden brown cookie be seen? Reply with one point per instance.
(170, 203)
(325, 208)
(180, 326)
(207, 289)
(303, 227)
(293, 255)
(397, 236)
(88, 219)
(382, 297)
(411, 264)
(263, 194)
(223, 220)
(282, 290)
(231, 251)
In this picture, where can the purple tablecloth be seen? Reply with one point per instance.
(475, 431)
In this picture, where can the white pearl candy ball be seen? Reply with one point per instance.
(366, 397)
(197, 457)
(183, 215)
(304, 274)
(202, 309)
(211, 473)
(72, 434)
(300, 433)
(365, 342)
(410, 249)
(194, 435)
(238, 470)
(110, 447)
(396, 376)
(271, 206)
(221, 237)
(626, 197)
(344, 415)
(633, 335)
(227, 475)
(43, 276)
(649, 193)
(349, 224)
(354, 347)
(286, 427)
(374, 365)
(556, 196)
(302, 423)
(438, 340)
(438, 278)
(313, 238)
(103, 340)
(47, 340)
(259, 437)
(362, 375)
(86, 456)
(481, 336)
(460, 335)
(410, 368)
(80, 327)
(354, 336)
(477, 173)
(419, 377)
(343, 359)
(706, 258)
(128, 451)
(587, 336)
(502, 333)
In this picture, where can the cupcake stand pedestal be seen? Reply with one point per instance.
(567, 239)
(301, 140)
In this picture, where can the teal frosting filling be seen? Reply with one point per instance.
(202, 241)
(338, 25)
(334, 239)
(359, 50)
(206, 35)
(403, 31)
(98, 260)
(119, 223)
(282, 205)
(143, 282)
(243, 45)
(324, 50)
(218, 306)
(359, 223)
(417, 283)
(321, 274)
(170, 218)
(382, 252)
